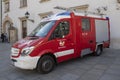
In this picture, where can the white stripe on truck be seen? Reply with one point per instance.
(64, 53)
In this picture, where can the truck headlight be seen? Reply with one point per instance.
(27, 51)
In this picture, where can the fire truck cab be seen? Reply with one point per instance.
(61, 37)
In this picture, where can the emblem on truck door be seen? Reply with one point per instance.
(62, 43)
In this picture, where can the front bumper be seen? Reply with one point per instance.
(25, 62)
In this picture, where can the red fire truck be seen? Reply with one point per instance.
(61, 37)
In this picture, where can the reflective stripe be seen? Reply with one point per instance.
(64, 53)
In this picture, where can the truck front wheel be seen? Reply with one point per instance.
(46, 64)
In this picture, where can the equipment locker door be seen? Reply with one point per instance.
(87, 36)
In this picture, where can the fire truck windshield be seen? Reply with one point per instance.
(42, 29)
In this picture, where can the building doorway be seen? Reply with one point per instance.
(9, 29)
(6, 30)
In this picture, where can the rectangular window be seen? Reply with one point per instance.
(24, 24)
(24, 28)
(7, 6)
(23, 3)
(85, 24)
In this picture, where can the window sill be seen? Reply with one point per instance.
(42, 1)
(23, 6)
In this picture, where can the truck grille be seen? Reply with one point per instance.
(14, 52)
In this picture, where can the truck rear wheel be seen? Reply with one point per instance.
(98, 51)
(46, 64)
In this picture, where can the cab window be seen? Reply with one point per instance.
(62, 29)
(85, 24)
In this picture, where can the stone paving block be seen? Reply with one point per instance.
(48, 77)
(101, 66)
(106, 60)
(113, 71)
(60, 71)
(117, 60)
(79, 72)
(3, 78)
(19, 78)
(13, 76)
(85, 66)
(88, 76)
(115, 66)
(69, 77)
(95, 72)
(5, 71)
(110, 77)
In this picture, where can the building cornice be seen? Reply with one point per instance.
(41, 1)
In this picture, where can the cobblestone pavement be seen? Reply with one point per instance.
(104, 67)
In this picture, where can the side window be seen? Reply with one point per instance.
(85, 24)
(62, 29)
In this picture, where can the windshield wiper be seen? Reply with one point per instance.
(32, 36)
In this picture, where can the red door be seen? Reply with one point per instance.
(62, 40)
(87, 36)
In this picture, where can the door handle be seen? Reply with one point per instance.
(91, 41)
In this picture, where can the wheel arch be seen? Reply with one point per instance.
(99, 44)
(50, 54)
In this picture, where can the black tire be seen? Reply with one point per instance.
(98, 51)
(46, 64)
